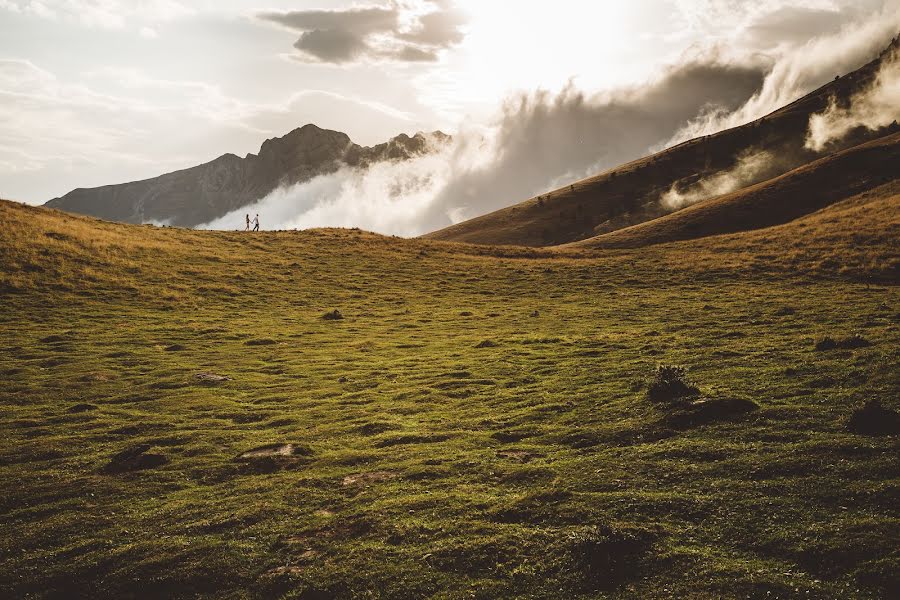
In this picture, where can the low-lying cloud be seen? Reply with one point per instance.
(797, 69)
(875, 107)
(752, 166)
(388, 197)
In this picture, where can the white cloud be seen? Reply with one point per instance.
(873, 108)
(388, 197)
(798, 68)
(750, 167)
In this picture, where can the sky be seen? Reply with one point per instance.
(95, 92)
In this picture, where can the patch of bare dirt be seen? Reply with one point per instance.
(211, 378)
(522, 456)
(366, 479)
(277, 451)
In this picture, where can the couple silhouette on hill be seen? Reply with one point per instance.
(255, 223)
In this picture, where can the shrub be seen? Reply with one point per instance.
(608, 556)
(874, 419)
(850, 343)
(670, 383)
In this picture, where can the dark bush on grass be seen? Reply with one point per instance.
(608, 556)
(850, 343)
(133, 459)
(874, 419)
(670, 383)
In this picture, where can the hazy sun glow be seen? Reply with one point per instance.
(532, 47)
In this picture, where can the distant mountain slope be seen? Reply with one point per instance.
(779, 200)
(208, 191)
(631, 193)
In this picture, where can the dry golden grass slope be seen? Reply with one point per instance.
(779, 200)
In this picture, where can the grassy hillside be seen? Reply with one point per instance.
(631, 194)
(780, 200)
(179, 419)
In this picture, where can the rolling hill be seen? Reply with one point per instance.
(632, 193)
(779, 200)
(186, 416)
(206, 192)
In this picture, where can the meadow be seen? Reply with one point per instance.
(185, 415)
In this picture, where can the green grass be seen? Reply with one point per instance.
(429, 468)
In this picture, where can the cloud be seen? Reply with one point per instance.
(403, 32)
(751, 166)
(795, 69)
(542, 140)
(794, 24)
(389, 197)
(537, 141)
(876, 107)
(768, 23)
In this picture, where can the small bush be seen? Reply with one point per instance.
(874, 419)
(669, 383)
(608, 556)
(850, 343)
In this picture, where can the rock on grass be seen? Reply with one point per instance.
(274, 457)
(134, 459)
(277, 450)
(712, 410)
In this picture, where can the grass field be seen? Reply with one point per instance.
(179, 419)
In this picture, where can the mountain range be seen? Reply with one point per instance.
(198, 195)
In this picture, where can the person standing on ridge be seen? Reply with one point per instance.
(256, 223)
(248, 222)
